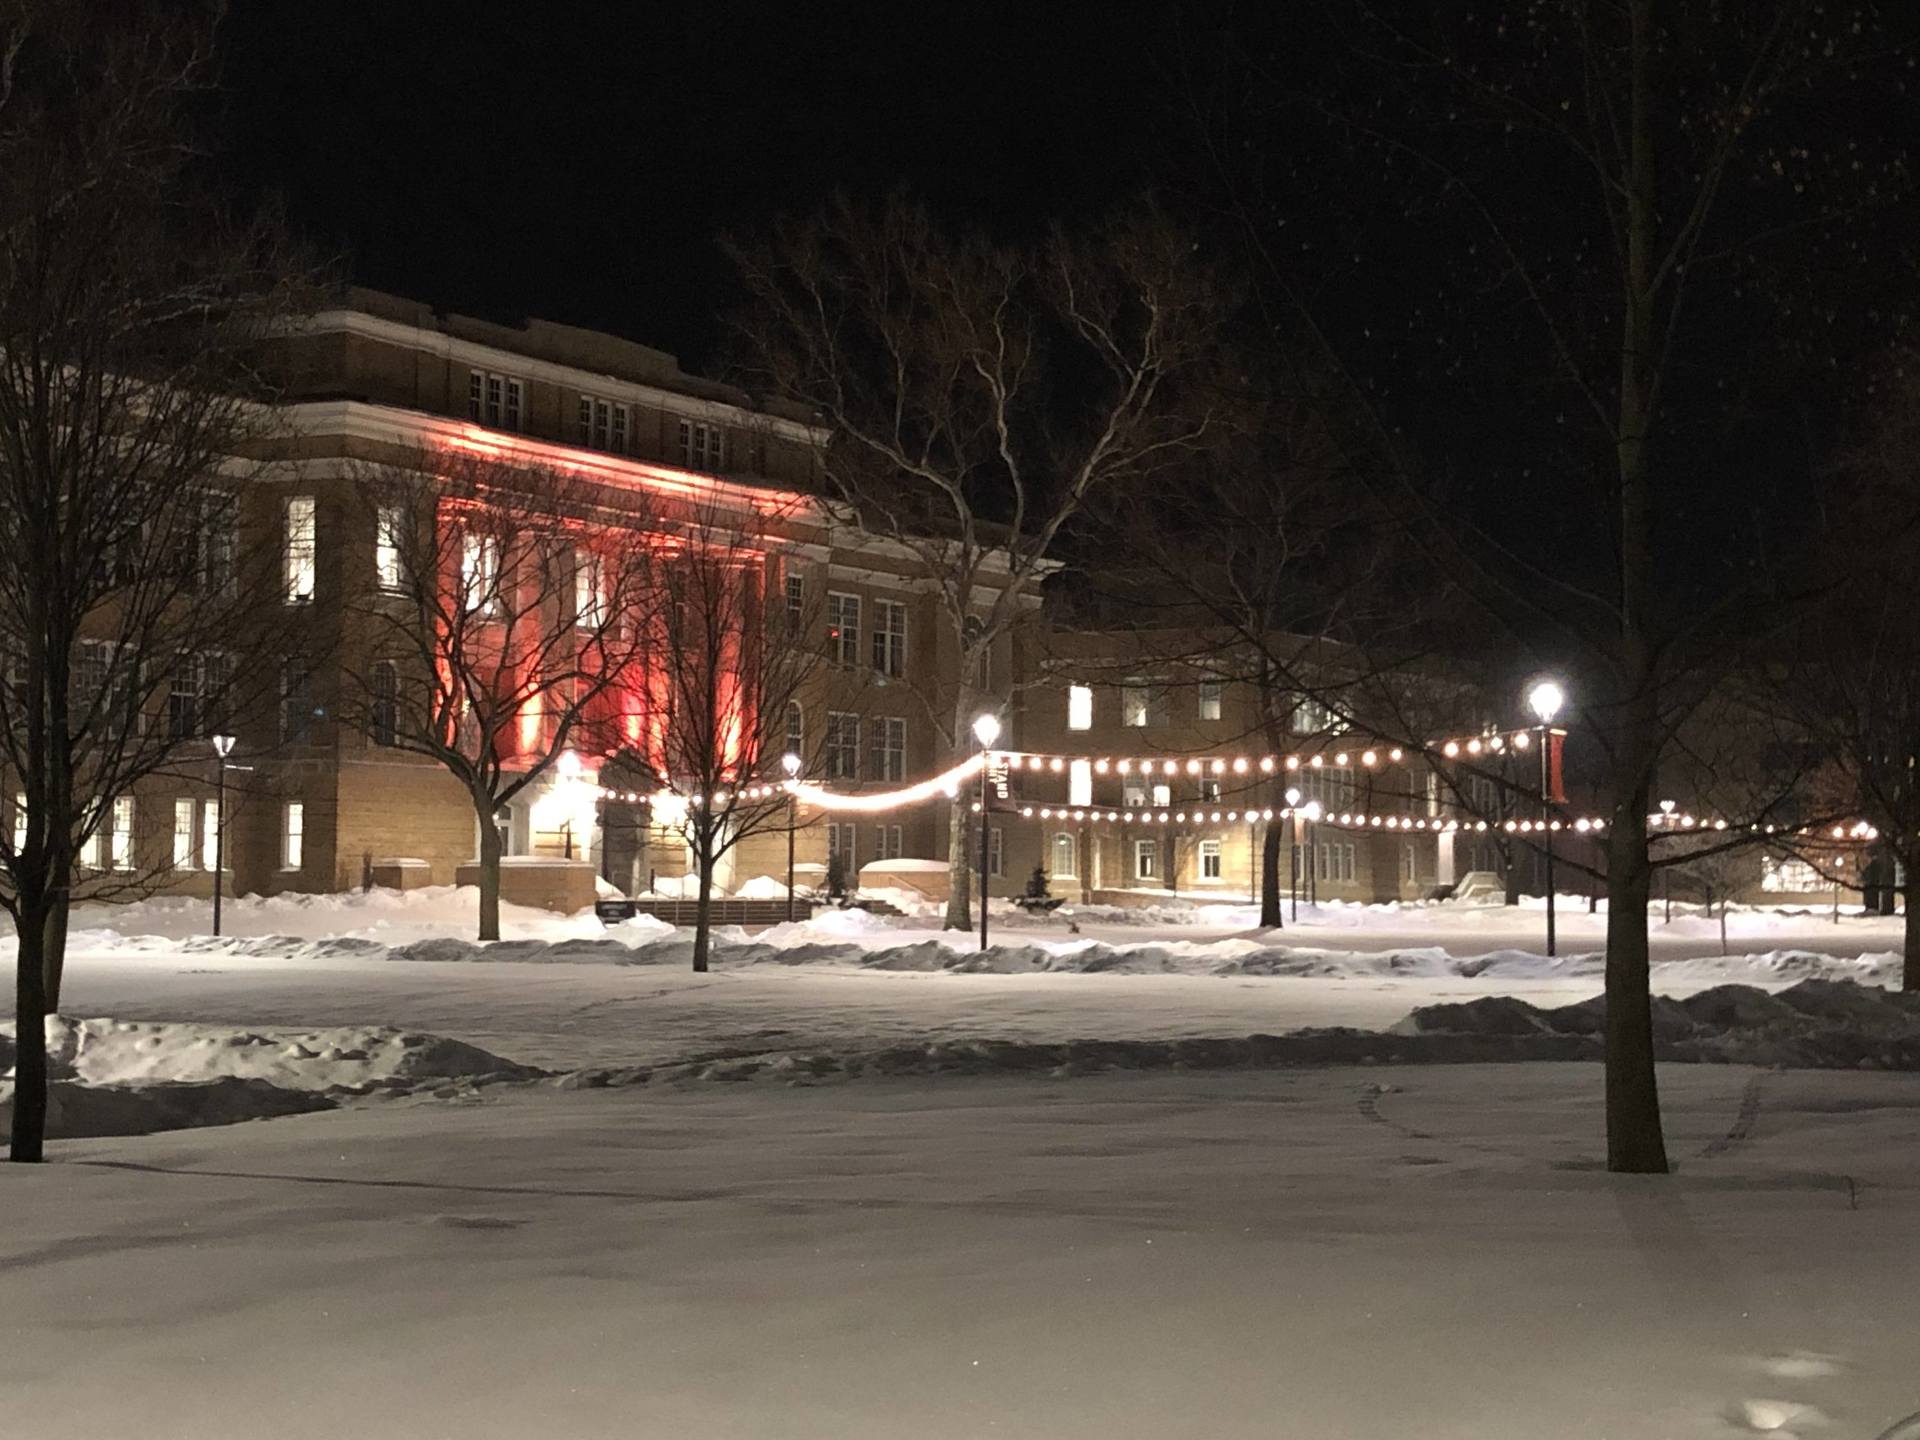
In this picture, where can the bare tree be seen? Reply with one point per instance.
(508, 626)
(976, 394)
(1630, 197)
(725, 674)
(129, 311)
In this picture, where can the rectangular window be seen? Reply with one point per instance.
(796, 603)
(843, 628)
(589, 590)
(183, 834)
(479, 570)
(603, 425)
(495, 400)
(388, 528)
(1079, 707)
(889, 637)
(1135, 703)
(1066, 855)
(1209, 789)
(843, 746)
(221, 546)
(1163, 794)
(301, 554)
(293, 824)
(383, 714)
(1310, 717)
(183, 698)
(702, 446)
(93, 672)
(1210, 699)
(209, 834)
(1778, 875)
(797, 731)
(843, 843)
(19, 823)
(296, 703)
(1133, 793)
(1332, 785)
(1209, 859)
(1409, 863)
(1080, 782)
(95, 847)
(996, 851)
(122, 852)
(889, 759)
(1146, 859)
(886, 842)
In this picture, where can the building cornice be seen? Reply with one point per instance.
(597, 383)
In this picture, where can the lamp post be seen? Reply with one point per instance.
(222, 747)
(986, 729)
(1545, 699)
(1293, 848)
(1666, 872)
(1312, 812)
(791, 764)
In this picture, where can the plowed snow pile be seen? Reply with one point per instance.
(116, 1077)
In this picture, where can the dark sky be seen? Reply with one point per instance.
(575, 161)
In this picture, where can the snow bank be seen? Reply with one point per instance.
(1820, 1024)
(118, 1077)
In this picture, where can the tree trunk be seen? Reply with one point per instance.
(1270, 879)
(1635, 1144)
(959, 866)
(1723, 925)
(1910, 935)
(489, 873)
(54, 962)
(30, 1043)
(703, 908)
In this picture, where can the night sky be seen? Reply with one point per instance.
(576, 161)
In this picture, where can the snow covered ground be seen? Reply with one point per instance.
(1258, 1254)
(1126, 1219)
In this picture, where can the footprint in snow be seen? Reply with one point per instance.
(476, 1222)
(1800, 1364)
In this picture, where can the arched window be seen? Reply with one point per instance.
(1066, 855)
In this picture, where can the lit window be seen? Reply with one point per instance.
(589, 590)
(603, 424)
(292, 834)
(122, 852)
(1146, 859)
(1066, 858)
(479, 570)
(889, 637)
(1080, 707)
(1209, 789)
(389, 522)
(300, 549)
(796, 731)
(1310, 717)
(1209, 859)
(843, 627)
(209, 834)
(1788, 875)
(1080, 783)
(889, 759)
(996, 851)
(19, 823)
(1134, 703)
(1210, 692)
(183, 834)
(1163, 794)
(1133, 792)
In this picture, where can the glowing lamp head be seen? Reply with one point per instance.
(1293, 795)
(986, 729)
(790, 763)
(1314, 810)
(1545, 699)
(1667, 807)
(223, 745)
